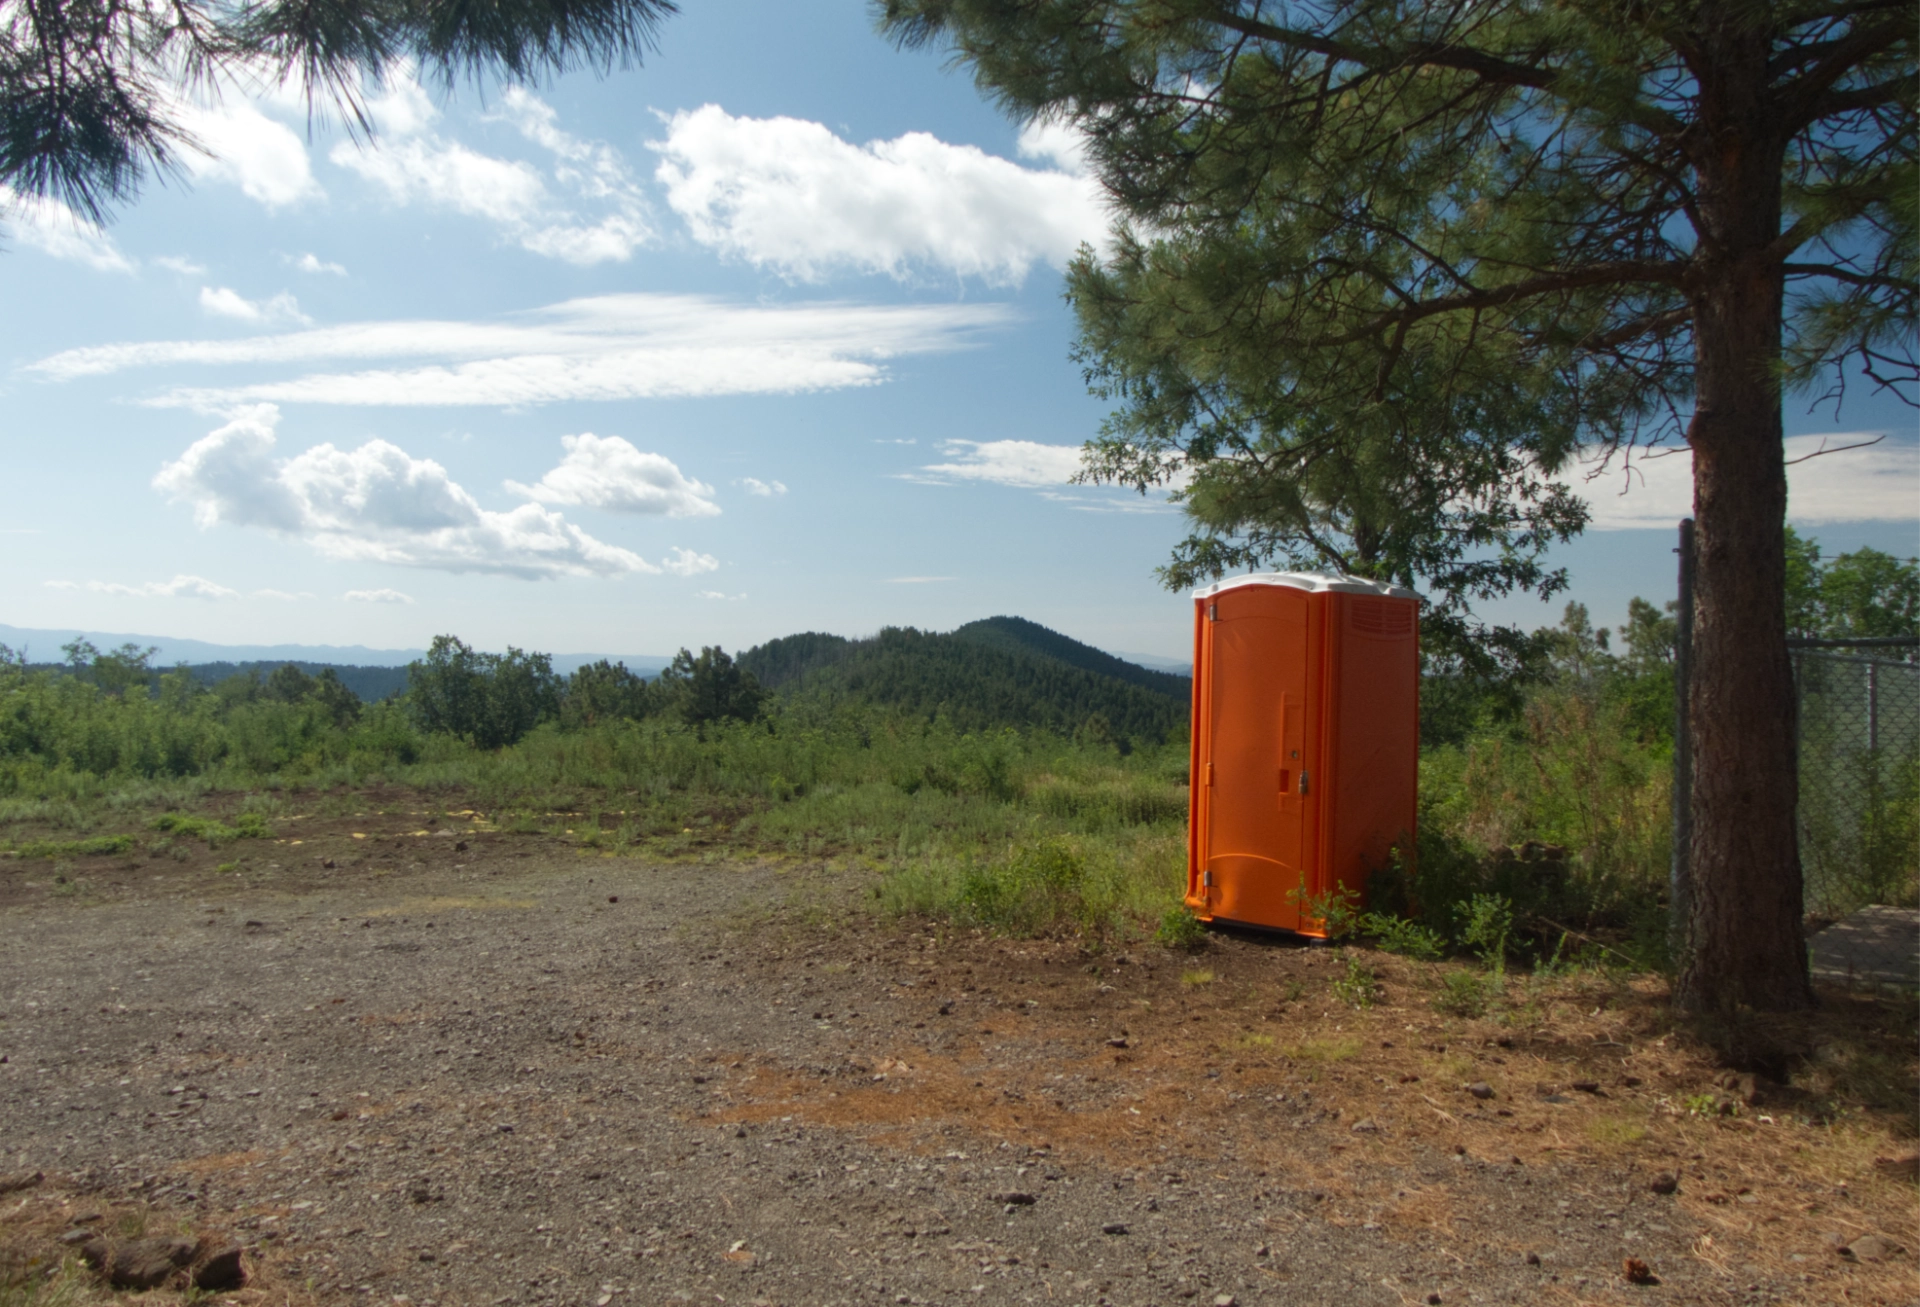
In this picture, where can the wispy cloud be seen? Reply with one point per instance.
(609, 473)
(376, 503)
(764, 489)
(686, 562)
(180, 587)
(1025, 463)
(598, 216)
(185, 267)
(57, 231)
(313, 263)
(1876, 482)
(607, 347)
(789, 195)
(225, 303)
(377, 597)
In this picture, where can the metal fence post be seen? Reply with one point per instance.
(1680, 872)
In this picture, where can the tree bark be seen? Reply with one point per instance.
(1745, 947)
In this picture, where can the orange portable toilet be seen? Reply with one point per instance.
(1306, 738)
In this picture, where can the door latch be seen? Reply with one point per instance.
(1303, 780)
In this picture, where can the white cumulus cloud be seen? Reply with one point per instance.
(608, 472)
(765, 489)
(606, 347)
(685, 562)
(788, 194)
(594, 211)
(55, 230)
(243, 147)
(1024, 463)
(376, 503)
(185, 267)
(382, 596)
(313, 263)
(1870, 483)
(225, 303)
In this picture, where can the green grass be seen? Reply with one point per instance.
(249, 825)
(96, 846)
(1535, 829)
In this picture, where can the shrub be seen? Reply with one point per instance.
(1181, 931)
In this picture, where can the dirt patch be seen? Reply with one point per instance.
(524, 1071)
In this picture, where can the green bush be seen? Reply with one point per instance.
(1181, 931)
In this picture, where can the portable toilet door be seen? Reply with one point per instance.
(1305, 742)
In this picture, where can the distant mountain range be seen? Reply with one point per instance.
(43, 646)
(1003, 671)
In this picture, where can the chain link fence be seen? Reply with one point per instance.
(1859, 726)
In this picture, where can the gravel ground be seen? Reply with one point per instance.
(520, 1073)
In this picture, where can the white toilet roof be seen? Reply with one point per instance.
(1315, 581)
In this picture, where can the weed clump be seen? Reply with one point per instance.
(1181, 931)
(246, 826)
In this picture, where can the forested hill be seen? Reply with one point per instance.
(1000, 672)
(1017, 633)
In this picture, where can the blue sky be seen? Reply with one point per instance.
(764, 337)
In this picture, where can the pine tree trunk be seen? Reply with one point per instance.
(1745, 945)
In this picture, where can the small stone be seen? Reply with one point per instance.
(1116, 1042)
(459, 846)
(613, 898)
(1433, 1300)
(1114, 1227)
(1587, 1086)
(1014, 1198)
(1366, 1125)
(1636, 1271)
(148, 1263)
(1874, 1248)
(221, 1272)
(1533, 1259)
(78, 1236)
(1264, 1250)
(1223, 1300)
(1481, 1090)
(1664, 1183)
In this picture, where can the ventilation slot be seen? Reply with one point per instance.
(1380, 617)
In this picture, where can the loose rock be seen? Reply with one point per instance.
(148, 1263)
(1014, 1198)
(1480, 1089)
(1664, 1183)
(1636, 1271)
(1114, 1227)
(221, 1271)
(1873, 1248)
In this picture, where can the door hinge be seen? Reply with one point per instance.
(1213, 612)
(1206, 879)
(1303, 780)
(1209, 775)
